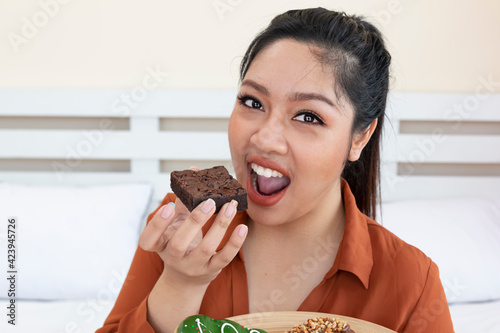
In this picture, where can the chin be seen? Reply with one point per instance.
(266, 215)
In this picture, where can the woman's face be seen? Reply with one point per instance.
(288, 135)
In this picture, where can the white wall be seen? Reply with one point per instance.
(445, 45)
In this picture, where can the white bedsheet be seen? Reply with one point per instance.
(87, 316)
(82, 316)
(476, 317)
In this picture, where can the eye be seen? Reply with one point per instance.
(250, 102)
(309, 117)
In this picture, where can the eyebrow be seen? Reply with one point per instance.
(297, 96)
(256, 86)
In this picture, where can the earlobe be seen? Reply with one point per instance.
(360, 140)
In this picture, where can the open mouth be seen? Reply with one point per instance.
(265, 186)
(266, 181)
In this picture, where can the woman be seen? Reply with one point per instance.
(304, 137)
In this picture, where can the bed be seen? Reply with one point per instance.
(80, 170)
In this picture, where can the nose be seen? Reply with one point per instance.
(270, 138)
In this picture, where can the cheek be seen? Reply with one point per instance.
(321, 158)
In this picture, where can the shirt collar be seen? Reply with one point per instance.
(355, 251)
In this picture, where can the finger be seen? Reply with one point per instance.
(194, 168)
(212, 239)
(186, 232)
(180, 209)
(222, 258)
(181, 214)
(153, 237)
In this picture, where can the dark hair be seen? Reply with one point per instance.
(355, 50)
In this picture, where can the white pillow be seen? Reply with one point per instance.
(462, 236)
(73, 242)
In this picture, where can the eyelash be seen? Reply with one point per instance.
(243, 98)
(314, 115)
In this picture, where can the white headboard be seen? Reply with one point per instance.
(441, 145)
(435, 145)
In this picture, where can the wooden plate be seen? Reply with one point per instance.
(281, 321)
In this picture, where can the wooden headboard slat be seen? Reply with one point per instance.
(145, 145)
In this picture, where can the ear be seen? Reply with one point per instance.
(360, 140)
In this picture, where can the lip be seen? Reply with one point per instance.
(264, 162)
(253, 195)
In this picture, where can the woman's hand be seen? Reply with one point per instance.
(190, 259)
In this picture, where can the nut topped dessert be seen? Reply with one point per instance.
(321, 325)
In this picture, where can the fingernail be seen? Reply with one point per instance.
(243, 230)
(230, 209)
(207, 206)
(168, 210)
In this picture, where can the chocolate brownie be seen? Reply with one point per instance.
(194, 187)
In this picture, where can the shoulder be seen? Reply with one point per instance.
(389, 246)
(411, 277)
(392, 256)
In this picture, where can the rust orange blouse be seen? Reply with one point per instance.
(375, 277)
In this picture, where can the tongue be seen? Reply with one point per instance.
(272, 185)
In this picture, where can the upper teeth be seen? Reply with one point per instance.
(266, 172)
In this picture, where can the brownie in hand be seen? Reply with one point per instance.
(193, 187)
